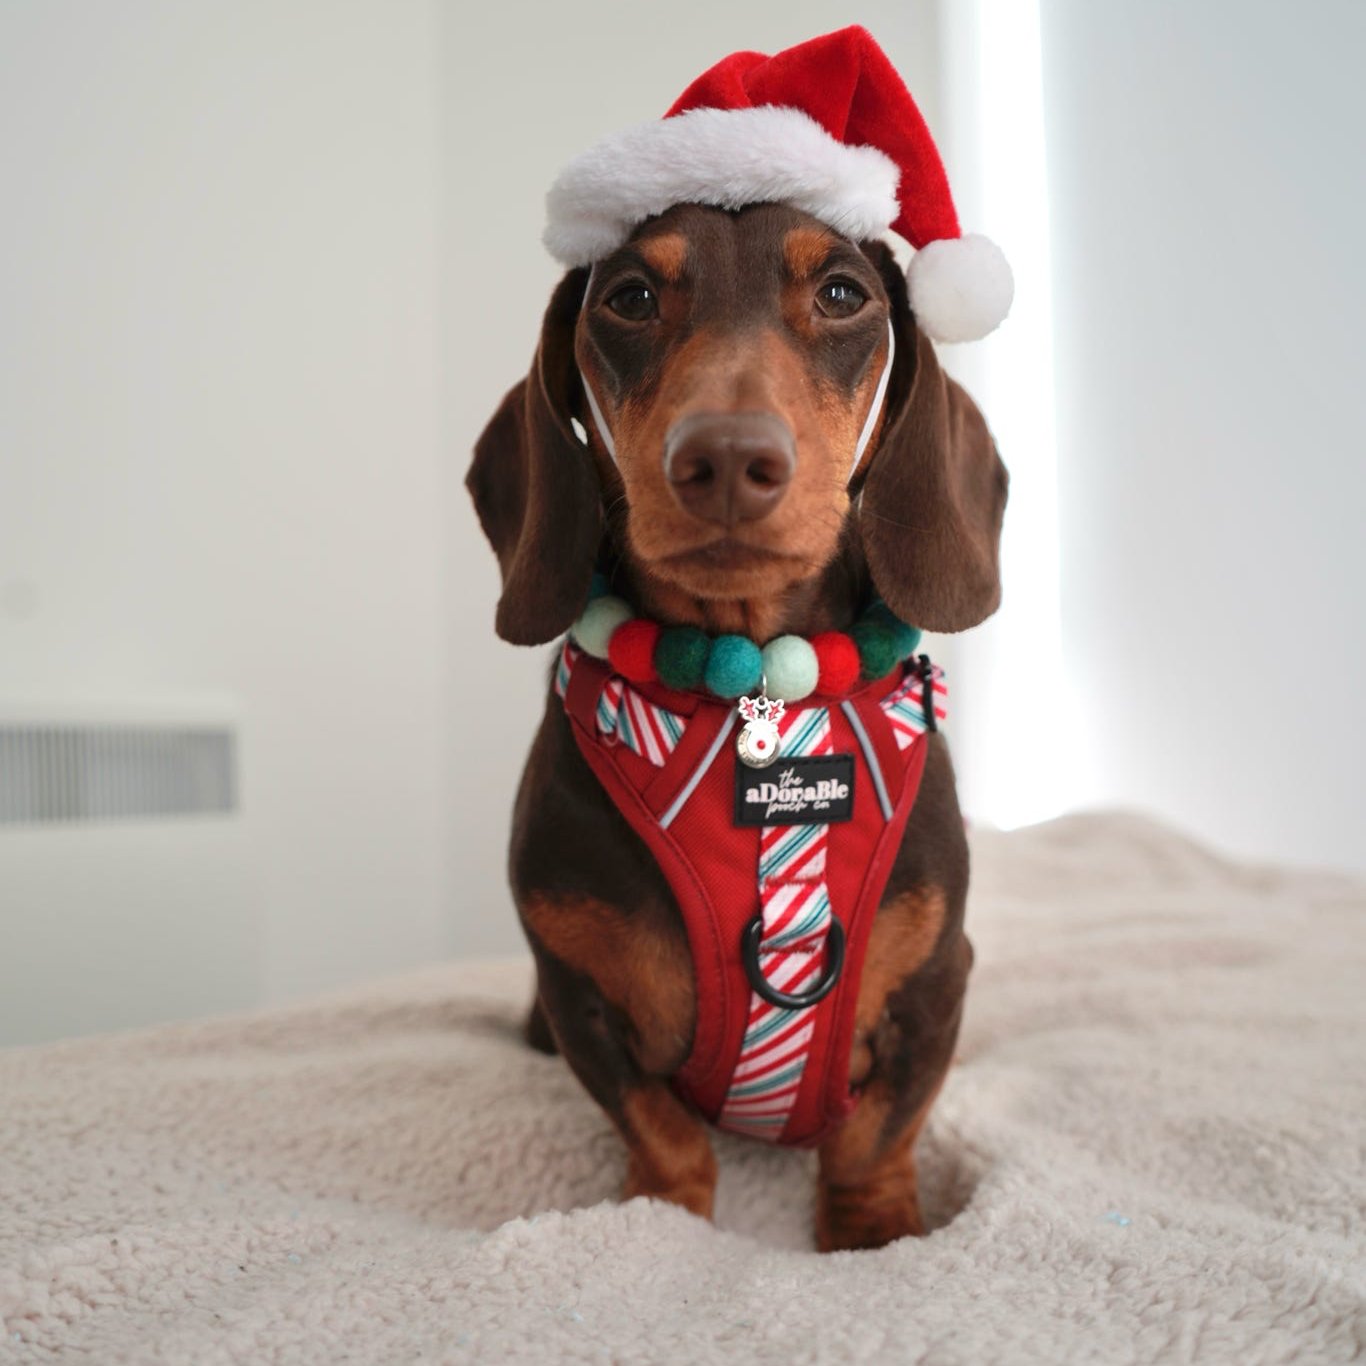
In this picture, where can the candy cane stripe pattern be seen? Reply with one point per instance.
(795, 904)
(624, 716)
(905, 708)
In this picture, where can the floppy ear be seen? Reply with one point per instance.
(935, 492)
(535, 488)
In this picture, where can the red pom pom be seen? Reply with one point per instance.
(631, 650)
(837, 660)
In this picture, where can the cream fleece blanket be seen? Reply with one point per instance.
(1151, 1150)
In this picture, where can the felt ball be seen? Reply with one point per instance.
(837, 662)
(733, 666)
(905, 637)
(791, 668)
(876, 648)
(600, 618)
(631, 650)
(598, 587)
(681, 657)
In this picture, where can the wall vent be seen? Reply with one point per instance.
(65, 773)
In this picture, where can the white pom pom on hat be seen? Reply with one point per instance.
(828, 127)
(961, 287)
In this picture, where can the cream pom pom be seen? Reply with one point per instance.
(790, 668)
(961, 287)
(600, 618)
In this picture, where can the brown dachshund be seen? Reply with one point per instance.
(734, 355)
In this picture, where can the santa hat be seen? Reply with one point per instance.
(828, 127)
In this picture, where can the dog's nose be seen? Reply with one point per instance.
(729, 467)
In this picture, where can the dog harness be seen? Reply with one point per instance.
(778, 871)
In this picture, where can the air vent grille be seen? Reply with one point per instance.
(114, 772)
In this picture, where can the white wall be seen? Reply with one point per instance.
(266, 268)
(220, 488)
(1208, 211)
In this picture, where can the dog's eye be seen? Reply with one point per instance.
(635, 303)
(840, 299)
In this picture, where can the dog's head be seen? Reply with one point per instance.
(734, 359)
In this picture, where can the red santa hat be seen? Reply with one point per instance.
(828, 127)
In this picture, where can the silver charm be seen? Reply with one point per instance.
(757, 745)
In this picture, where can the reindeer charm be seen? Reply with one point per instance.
(758, 742)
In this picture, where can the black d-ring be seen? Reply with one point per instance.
(834, 961)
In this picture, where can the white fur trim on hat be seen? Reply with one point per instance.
(961, 287)
(724, 157)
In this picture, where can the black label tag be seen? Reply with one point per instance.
(818, 790)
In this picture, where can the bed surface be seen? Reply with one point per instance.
(1151, 1149)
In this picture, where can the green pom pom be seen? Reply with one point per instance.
(876, 648)
(600, 618)
(733, 667)
(598, 587)
(905, 637)
(681, 657)
(791, 668)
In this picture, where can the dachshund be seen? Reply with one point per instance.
(733, 355)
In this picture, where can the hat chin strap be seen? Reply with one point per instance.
(864, 437)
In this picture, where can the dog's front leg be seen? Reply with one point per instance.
(869, 1187)
(669, 1153)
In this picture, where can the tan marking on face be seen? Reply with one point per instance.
(805, 250)
(637, 965)
(905, 932)
(728, 366)
(666, 254)
(720, 372)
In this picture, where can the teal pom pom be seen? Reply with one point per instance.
(681, 657)
(905, 637)
(733, 666)
(598, 587)
(790, 667)
(876, 648)
(600, 618)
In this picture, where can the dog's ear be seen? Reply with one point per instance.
(535, 488)
(935, 492)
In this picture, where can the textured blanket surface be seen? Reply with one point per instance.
(1150, 1149)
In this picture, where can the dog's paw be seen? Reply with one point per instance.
(850, 1218)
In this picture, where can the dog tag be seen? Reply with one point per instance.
(757, 745)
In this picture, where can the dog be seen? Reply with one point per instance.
(721, 364)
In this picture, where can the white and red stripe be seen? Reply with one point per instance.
(905, 708)
(795, 904)
(624, 716)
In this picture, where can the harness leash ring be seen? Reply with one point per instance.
(834, 962)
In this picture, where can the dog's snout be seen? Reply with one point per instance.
(729, 467)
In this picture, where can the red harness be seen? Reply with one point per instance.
(778, 911)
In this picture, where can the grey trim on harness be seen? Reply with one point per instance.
(866, 745)
(680, 801)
